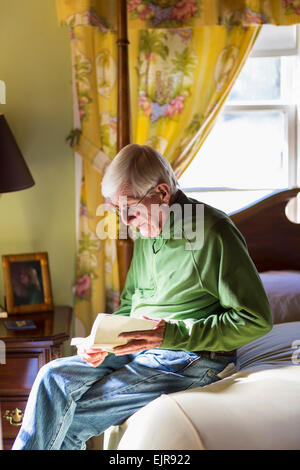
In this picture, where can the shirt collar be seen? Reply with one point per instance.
(174, 219)
(172, 222)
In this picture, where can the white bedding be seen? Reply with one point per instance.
(283, 291)
(258, 407)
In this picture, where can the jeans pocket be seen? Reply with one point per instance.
(207, 378)
(166, 360)
(205, 370)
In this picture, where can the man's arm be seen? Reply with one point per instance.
(225, 269)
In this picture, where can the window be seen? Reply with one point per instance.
(257, 128)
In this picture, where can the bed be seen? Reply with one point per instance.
(256, 406)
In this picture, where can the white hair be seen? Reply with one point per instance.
(139, 166)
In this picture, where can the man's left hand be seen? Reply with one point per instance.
(141, 340)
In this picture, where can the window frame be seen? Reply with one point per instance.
(290, 110)
(293, 121)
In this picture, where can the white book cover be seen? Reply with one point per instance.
(107, 327)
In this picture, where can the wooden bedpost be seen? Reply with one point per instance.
(124, 247)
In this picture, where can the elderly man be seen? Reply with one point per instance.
(205, 295)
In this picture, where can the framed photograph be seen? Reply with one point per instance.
(27, 283)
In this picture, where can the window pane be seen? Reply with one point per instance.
(276, 37)
(260, 79)
(244, 150)
(227, 201)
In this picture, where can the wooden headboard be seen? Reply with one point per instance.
(273, 240)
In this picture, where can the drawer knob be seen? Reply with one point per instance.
(15, 417)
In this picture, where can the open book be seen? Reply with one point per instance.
(107, 327)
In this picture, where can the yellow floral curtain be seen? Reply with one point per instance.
(194, 13)
(94, 58)
(184, 58)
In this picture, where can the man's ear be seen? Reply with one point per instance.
(164, 192)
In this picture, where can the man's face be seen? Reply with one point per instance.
(143, 212)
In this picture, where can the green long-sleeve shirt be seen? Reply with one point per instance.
(211, 296)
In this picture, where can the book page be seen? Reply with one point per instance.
(107, 327)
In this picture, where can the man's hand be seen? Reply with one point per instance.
(92, 356)
(141, 340)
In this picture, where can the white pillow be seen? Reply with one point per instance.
(283, 291)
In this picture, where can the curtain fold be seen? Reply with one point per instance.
(184, 58)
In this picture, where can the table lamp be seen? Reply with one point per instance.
(14, 173)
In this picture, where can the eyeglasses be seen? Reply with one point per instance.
(126, 208)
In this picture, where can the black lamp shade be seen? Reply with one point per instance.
(14, 173)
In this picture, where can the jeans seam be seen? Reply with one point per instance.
(190, 363)
(59, 428)
(124, 389)
(196, 382)
(52, 443)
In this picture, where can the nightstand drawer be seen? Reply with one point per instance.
(19, 372)
(11, 417)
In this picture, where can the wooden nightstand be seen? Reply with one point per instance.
(26, 352)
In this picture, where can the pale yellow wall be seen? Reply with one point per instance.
(35, 64)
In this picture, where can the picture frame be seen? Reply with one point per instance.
(27, 283)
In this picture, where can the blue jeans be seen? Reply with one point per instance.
(70, 401)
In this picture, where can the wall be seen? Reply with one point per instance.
(35, 64)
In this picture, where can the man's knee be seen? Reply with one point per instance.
(56, 370)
